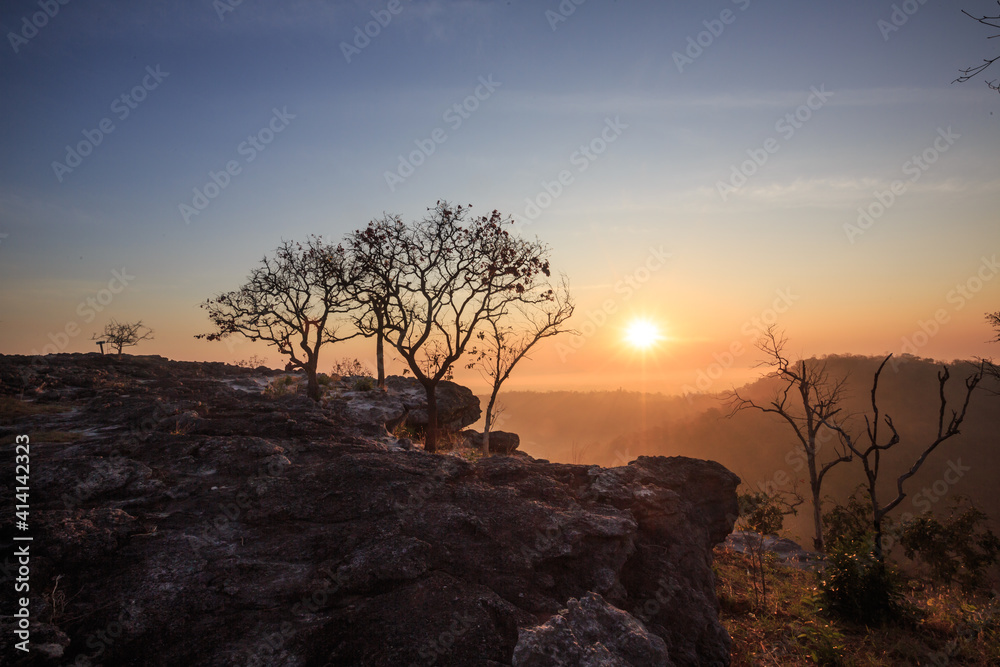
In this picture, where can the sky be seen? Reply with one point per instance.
(711, 167)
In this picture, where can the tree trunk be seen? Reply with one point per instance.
(430, 438)
(817, 504)
(818, 523)
(380, 359)
(876, 524)
(312, 383)
(488, 423)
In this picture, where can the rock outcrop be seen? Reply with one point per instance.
(590, 633)
(786, 551)
(179, 519)
(501, 442)
(405, 404)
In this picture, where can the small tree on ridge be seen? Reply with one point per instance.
(292, 301)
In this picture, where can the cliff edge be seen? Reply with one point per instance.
(180, 515)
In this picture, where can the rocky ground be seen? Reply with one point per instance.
(182, 515)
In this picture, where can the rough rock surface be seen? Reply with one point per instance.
(786, 551)
(181, 519)
(501, 442)
(405, 403)
(589, 633)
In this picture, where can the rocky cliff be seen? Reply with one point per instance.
(182, 516)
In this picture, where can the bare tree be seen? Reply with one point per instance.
(438, 280)
(991, 369)
(807, 400)
(291, 301)
(375, 271)
(971, 72)
(507, 338)
(119, 335)
(871, 455)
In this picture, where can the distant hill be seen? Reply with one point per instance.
(614, 427)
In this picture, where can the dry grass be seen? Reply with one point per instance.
(47, 437)
(946, 627)
(12, 409)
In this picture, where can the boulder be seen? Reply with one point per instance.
(457, 406)
(590, 633)
(501, 442)
(786, 552)
(404, 403)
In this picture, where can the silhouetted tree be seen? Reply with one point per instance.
(507, 337)
(119, 335)
(375, 277)
(438, 280)
(807, 401)
(292, 301)
(971, 72)
(871, 453)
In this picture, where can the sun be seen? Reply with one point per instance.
(642, 334)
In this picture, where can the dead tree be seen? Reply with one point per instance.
(120, 335)
(808, 400)
(292, 301)
(971, 72)
(507, 338)
(871, 453)
(989, 368)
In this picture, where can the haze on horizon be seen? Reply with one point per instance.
(708, 168)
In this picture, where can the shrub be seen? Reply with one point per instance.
(363, 384)
(857, 585)
(761, 514)
(348, 367)
(281, 386)
(959, 549)
(252, 363)
(824, 643)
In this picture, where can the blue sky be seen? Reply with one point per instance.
(555, 86)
